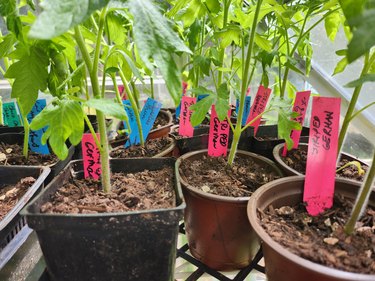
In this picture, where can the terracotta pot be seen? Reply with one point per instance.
(217, 228)
(290, 171)
(281, 264)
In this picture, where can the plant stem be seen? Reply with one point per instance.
(362, 198)
(222, 52)
(26, 128)
(245, 81)
(117, 92)
(92, 131)
(353, 101)
(93, 72)
(134, 106)
(152, 87)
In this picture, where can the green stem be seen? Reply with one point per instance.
(152, 87)
(361, 110)
(92, 131)
(26, 128)
(222, 52)
(71, 75)
(93, 72)
(118, 95)
(353, 102)
(134, 106)
(245, 82)
(362, 198)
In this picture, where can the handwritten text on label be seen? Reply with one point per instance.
(91, 157)
(35, 137)
(219, 135)
(186, 129)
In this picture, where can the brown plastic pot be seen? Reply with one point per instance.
(281, 264)
(217, 228)
(291, 172)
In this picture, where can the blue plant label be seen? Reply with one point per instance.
(148, 116)
(10, 114)
(201, 97)
(246, 110)
(178, 111)
(35, 137)
(237, 106)
(131, 117)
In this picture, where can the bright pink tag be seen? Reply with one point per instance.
(91, 157)
(218, 136)
(184, 87)
(186, 129)
(321, 155)
(258, 106)
(300, 106)
(123, 94)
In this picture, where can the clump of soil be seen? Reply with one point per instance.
(213, 175)
(160, 121)
(11, 194)
(297, 159)
(130, 192)
(11, 154)
(151, 148)
(321, 239)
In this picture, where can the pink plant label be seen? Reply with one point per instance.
(184, 87)
(91, 157)
(300, 106)
(218, 136)
(186, 129)
(258, 107)
(321, 155)
(122, 92)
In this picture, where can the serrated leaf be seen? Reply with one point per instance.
(7, 44)
(203, 63)
(358, 82)
(222, 107)
(263, 43)
(65, 120)
(332, 23)
(231, 33)
(285, 126)
(117, 32)
(59, 16)
(7, 7)
(178, 6)
(156, 39)
(341, 65)
(30, 74)
(109, 107)
(200, 109)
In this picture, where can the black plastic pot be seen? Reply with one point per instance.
(267, 138)
(7, 130)
(55, 168)
(138, 245)
(12, 224)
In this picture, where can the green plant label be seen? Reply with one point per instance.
(10, 114)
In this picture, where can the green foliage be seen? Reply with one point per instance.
(370, 77)
(64, 119)
(59, 16)
(30, 76)
(7, 7)
(156, 40)
(109, 107)
(201, 108)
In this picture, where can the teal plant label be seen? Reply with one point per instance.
(148, 116)
(35, 138)
(132, 120)
(10, 114)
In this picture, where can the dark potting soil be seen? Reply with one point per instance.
(321, 239)
(297, 159)
(213, 175)
(11, 154)
(160, 121)
(130, 192)
(152, 147)
(11, 194)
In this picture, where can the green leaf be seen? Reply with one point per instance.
(59, 16)
(231, 33)
(203, 63)
(341, 65)
(65, 119)
(358, 82)
(293, 67)
(200, 109)
(7, 44)
(109, 107)
(7, 7)
(30, 74)
(332, 23)
(222, 107)
(156, 40)
(117, 32)
(178, 6)
(285, 126)
(263, 43)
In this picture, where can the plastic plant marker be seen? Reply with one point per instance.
(132, 120)
(218, 136)
(121, 89)
(186, 129)
(246, 111)
(258, 107)
(10, 114)
(201, 97)
(321, 155)
(300, 106)
(91, 157)
(148, 116)
(35, 138)
(178, 108)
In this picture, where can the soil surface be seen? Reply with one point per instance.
(321, 239)
(161, 120)
(152, 147)
(134, 191)
(11, 194)
(11, 154)
(213, 175)
(297, 159)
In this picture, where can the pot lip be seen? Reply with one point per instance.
(180, 203)
(276, 154)
(263, 235)
(168, 114)
(214, 196)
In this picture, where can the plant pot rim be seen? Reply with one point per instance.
(254, 221)
(25, 211)
(168, 114)
(214, 196)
